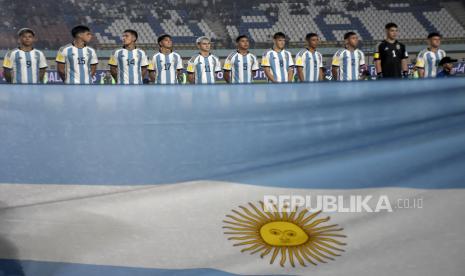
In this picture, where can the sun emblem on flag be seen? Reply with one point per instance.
(293, 237)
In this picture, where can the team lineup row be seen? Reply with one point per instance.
(77, 62)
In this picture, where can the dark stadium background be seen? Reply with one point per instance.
(222, 20)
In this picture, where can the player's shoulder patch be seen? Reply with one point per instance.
(231, 55)
(422, 53)
(115, 52)
(215, 58)
(9, 53)
(253, 57)
(339, 52)
(194, 58)
(267, 52)
(39, 52)
(301, 53)
(90, 49)
(62, 48)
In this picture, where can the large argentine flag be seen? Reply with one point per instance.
(361, 178)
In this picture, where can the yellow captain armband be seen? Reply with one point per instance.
(227, 66)
(60, 57)
(7, 63)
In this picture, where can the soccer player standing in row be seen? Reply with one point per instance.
(76, 62)
(128, 65)
(348, 62)
(391, 56)
(166, 65)
(202, 67)
(25, 64)
(277, 62)
(428, 59)
(309, 61)
(240, 66)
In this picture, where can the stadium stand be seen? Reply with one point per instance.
(223, 20)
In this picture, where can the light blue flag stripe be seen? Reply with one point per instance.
(338, 135)
(42, 268)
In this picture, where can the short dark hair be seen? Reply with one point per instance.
(26, 31)
(134, 33)
(241, 37)
(349, 34)
(79, 30)
(310, 35)
(163, 36)
(434, 34)
(279, 35)
(390, 25)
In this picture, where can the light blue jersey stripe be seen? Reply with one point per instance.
(72, 70)
(89, 53)
(286, 68)
(315, 67)
(139, 66)
(37, 57)
(344, 66)
(429, 59)
(18, 67)
(207, 65)
(281, 66)
(198, 71)
(131, 67)
(175, 68)
(246, 69)
(236, 69)
(353, 65)
(160, 69)
(29, 67)
(273, 67)
(168, 72)
(82, 76)
(120, 67)
(307, 67)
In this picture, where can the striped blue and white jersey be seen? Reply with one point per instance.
(279, 62)
(241, 67)
(429, 61)
(204, 68)
(25, 66)
(129, 63)
(78, 63)
(348, 63)
(311, 63)
(166, 67)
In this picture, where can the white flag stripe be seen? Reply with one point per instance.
(180, 226)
